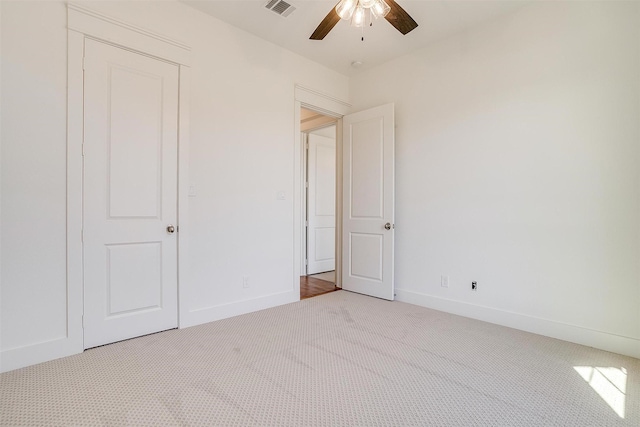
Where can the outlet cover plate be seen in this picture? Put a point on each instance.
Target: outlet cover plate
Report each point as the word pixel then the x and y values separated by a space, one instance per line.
pixel 444 281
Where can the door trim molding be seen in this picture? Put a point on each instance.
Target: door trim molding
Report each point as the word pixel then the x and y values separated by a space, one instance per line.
pixel 330 106
pixel 320 102
pixel 113 30
pixel 304 138
pixel 184 92
pixel 84 23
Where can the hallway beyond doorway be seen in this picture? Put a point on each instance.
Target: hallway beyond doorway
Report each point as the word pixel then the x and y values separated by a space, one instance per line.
pixel 329 276
pixel 312 286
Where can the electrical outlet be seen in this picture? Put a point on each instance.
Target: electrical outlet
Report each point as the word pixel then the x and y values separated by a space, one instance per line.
pixel 474 286
pixel 444 281
pixel 245 281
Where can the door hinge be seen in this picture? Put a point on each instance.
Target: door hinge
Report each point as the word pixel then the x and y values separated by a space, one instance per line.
pixel 83 149
pixel 306 262
pixel 83 320
pixel 306 223
pixel 306 184
pixel 82 235
pixel 83 63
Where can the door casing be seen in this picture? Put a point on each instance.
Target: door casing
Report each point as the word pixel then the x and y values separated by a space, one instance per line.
pixel 332 107
pixel 85 23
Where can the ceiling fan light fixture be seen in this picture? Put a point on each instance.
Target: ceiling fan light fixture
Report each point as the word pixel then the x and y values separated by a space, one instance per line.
pixel 380 9
pixel 361 13
pixel 358 18
pixel 367 3
pixel 345 8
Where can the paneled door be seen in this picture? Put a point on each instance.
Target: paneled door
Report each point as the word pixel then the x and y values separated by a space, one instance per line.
pixel 129 194
pixel 368 202
pixel 321 199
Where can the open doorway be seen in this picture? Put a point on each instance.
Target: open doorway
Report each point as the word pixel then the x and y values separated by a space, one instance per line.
pixel 318 246
pixel 364 194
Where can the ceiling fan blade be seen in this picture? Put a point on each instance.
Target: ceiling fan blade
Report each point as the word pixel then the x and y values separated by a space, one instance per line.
pixel 399 18
pixel 326 25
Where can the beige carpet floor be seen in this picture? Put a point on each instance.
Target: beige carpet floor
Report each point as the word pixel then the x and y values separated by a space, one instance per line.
pixel 340 359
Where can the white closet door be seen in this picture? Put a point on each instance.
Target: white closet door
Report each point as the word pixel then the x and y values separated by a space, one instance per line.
pixel 130 194
pixel 321 198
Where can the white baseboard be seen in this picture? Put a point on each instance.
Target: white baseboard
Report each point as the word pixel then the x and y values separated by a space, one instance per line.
pixel 218 312
pixel 38 353
pixel 627 346
pixel 50 350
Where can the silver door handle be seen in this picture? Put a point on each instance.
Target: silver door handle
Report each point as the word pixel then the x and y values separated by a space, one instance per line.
pixel 387 226
pixel 170 229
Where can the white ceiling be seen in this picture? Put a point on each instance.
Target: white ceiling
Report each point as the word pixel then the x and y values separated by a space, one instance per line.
pixel 436 19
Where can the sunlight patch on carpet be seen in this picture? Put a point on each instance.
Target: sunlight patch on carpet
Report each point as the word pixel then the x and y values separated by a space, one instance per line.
pixel 610 384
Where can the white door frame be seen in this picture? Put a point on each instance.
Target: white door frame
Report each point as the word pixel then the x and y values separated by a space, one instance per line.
pixel 86 23
pixel 304 138
pixel 332 107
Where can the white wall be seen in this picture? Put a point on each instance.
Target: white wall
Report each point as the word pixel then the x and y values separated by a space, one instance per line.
pixel 517 152
pixel 0 178
pixel 33 194
pixel 241 156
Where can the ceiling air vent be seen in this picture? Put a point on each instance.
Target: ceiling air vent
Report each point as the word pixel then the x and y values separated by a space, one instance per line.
pixel 280 7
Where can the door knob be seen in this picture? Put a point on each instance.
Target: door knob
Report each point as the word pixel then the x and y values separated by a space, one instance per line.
pixel 170 229
pixel 387 226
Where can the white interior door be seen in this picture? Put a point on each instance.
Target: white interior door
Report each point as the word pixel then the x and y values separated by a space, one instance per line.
pixel 130 194
pixel 321 199
pixel 368 199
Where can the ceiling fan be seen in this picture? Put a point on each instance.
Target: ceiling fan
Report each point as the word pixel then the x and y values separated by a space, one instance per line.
pixel 355 10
